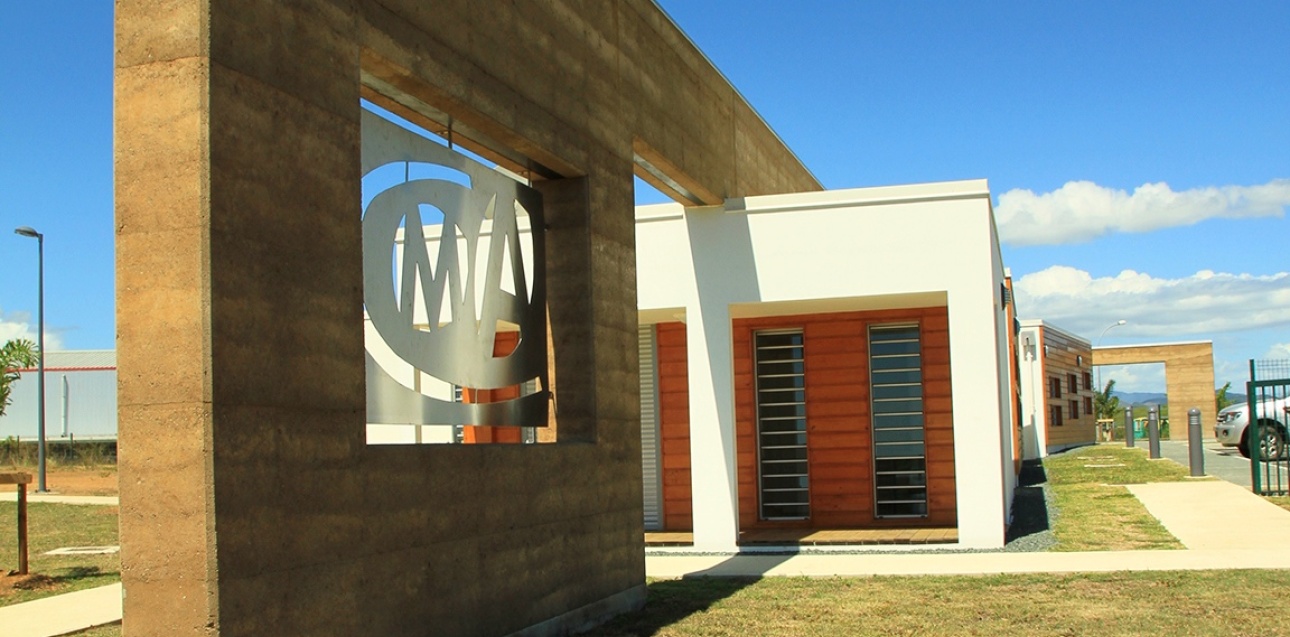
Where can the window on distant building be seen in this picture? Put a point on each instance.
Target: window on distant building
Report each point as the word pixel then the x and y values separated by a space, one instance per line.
pixel 1088 405
pixel 1055 416
pixel 1071 383
pixel 1054 387
pixel 1074 408
pixel 1088 380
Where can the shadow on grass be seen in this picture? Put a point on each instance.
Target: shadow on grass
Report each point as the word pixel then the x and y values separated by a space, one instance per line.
pixel 1029 506
pixel 76 573
pixel 671 601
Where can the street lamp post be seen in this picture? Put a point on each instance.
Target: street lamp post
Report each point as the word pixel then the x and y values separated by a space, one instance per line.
pixel 1099 344
pixel 26 231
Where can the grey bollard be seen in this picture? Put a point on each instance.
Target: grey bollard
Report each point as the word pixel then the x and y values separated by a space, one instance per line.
pixel 1129 438
pixel 1194 443
pixel 1153 432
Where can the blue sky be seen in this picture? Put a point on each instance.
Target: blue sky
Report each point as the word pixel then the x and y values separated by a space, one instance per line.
pixel 1139 153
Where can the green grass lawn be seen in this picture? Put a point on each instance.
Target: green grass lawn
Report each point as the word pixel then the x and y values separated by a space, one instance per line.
pixel 1177 603
pixel 52 526
pixel 1218 603
pixel 1095 512
pixel 1280 500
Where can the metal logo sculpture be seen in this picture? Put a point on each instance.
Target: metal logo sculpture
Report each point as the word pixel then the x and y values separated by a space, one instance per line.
pixel 441 315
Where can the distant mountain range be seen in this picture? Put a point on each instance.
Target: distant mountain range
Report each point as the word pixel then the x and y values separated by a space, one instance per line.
pixel 1148 398
pixel 1139 398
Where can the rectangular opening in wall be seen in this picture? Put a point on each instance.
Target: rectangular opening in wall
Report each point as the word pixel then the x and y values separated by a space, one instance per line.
pixel 454 293
pixel 899 448
pixel 783 479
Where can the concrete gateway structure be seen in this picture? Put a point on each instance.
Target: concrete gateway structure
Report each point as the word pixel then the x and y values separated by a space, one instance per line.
pixel 251 503
pixel 835 360
pixel 1189 377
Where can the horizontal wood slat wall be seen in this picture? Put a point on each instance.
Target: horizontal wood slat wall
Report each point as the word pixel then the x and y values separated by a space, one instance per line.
pixel 504 343
pixel 839 439
pixel 674 426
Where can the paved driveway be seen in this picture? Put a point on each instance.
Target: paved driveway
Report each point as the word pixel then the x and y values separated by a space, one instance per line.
pixel 1221 462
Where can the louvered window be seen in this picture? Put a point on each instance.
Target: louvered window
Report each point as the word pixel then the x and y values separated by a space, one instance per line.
pixel 899 448
pixel 783 480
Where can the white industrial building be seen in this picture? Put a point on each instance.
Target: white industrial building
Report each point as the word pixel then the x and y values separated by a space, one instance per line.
pixel 80 398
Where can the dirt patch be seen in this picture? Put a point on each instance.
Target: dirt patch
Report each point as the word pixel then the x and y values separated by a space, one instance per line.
pixel 29 582
pixel 70 481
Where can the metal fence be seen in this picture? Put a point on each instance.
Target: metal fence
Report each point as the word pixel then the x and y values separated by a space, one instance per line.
pixel 1269 426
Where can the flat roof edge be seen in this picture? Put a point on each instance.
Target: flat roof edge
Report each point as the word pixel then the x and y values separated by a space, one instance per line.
pixel 1169 344
pixel 867 196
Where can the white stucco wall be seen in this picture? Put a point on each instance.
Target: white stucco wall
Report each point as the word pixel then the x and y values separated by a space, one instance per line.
pixel 1034 415
pixel 874 248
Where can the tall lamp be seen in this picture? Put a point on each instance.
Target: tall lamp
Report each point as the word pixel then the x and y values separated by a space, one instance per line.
pixel 1099 344
pixel 27 231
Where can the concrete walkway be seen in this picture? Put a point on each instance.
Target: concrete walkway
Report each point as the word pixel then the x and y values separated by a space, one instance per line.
pixel 861 564
pixel 1215 515
pixel 33 498
pixel 62 614
pixel 1206 516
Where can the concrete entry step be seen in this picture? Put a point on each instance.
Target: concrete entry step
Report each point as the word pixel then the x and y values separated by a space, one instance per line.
pixel 820 537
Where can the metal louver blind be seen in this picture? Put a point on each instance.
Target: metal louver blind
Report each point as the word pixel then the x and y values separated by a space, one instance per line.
pixel 650 461
pixel 784 487
pixel 899 449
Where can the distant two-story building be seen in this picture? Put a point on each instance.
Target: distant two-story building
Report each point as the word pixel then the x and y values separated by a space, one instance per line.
pixel 1057 391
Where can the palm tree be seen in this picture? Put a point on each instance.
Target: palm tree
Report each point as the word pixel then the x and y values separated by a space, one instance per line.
pixel 1220 397
pixel 1106 405
pixel 14 355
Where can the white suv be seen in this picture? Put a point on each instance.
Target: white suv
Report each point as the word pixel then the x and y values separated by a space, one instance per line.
pixel 1232 429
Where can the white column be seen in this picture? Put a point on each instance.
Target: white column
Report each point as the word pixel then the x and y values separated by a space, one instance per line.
pixel 713 466
pixel 978 444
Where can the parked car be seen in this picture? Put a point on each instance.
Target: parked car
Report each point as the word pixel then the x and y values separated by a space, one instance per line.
pixel 1233 428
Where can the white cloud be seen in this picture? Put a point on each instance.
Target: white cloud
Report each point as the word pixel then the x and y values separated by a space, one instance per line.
pixel 1208 305
pixel 17 325
pixel 1197 306
pixel 1278 351
pixel 1082 210
pixel 1134 378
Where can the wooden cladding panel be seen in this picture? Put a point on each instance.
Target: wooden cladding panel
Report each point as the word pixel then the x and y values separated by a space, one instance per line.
pixel 1064 356
pixel 674 426
pixel 838 421
pixel 503 344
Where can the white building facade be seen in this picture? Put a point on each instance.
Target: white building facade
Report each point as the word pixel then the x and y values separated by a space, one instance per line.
pixel 843 285
pixel 80 398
